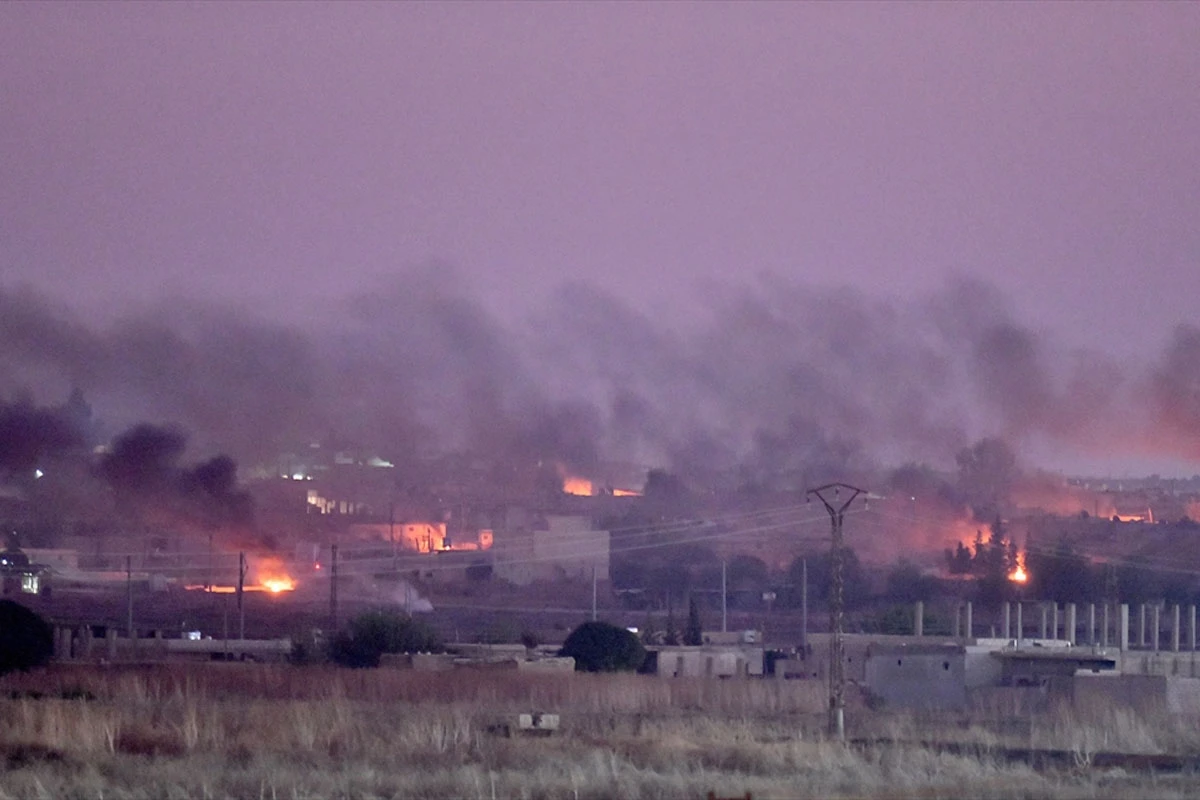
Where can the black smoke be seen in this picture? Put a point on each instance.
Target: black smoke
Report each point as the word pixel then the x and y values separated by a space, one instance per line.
pixel 775 383
pixel 144 470
pixel 30 435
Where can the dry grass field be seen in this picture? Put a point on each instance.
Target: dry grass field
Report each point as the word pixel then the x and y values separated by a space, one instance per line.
pixel 257 731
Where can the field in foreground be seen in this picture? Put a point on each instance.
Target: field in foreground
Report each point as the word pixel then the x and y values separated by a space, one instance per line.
pixel 255 731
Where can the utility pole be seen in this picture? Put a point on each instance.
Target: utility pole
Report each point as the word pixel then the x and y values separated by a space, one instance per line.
pixel 804 606
pixel 129 596
pixel 724 602
pixel 241 596
pixel 392 535
pixel 837 661
pixel 333 578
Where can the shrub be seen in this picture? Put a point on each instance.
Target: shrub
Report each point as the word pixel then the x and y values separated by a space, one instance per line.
pixel 374 633
pixel 603 647
pixel 307 649
pixel 26 640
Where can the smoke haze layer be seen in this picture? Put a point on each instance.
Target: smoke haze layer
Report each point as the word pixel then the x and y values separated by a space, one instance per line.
pixel 777 381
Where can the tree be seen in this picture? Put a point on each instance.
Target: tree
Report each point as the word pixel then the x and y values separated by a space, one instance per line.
pixel 906 584
pixel 374 633
pixel 958 560
pixel 1062 576
pixel 670 581
pixel 26 640
pixel 855 586
pixel 603 647
pixel 670 635
pixel 747 572
pixel 693 634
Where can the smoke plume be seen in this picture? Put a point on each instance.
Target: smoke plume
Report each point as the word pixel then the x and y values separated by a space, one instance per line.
pixel 777 382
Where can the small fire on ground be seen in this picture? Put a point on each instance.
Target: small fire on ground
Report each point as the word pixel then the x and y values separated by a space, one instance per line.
pixel 264 575
pixel 582 487
pixel 1019 575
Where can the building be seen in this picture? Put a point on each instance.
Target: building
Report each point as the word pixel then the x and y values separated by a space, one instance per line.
pixel 737 654
pixel 21 576
pixel 938 676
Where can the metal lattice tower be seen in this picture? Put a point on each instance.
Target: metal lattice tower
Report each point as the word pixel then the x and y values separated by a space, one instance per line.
pixel 837 659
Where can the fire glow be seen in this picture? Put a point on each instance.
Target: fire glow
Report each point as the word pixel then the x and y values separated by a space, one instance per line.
pixel 580 487
pixel 277 585
pixel 273 587
pixel 1019 575
pixel 268 574
pixel 271 576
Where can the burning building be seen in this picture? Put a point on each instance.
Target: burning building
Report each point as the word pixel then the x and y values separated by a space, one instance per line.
pixel 422 537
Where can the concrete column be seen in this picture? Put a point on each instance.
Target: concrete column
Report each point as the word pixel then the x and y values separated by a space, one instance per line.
pixel 1192 628
pixel 1020 622
pixel 958 622
pixel 1092 624
pixel 1042 630
pixel 1175 629
pixel 919 619
pixel 970 628
pixel 85 641
pixel 1069 633
pixel 1007 621
pixel 1054 621
pixel 1104 630
pixel 1142 625
pixel 1155 627
pixel 110 642
pixel 1123 627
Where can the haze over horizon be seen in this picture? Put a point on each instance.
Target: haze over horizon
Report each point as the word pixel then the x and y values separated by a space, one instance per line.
pixel 671 231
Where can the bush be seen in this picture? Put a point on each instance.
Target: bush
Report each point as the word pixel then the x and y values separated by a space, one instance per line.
pixel 307 649
pixel 26 640
pixel 603 647
pixel 374 633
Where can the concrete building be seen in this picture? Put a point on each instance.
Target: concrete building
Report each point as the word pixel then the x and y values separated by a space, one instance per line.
pixel 941 677
pixel 19 575
pixel 705 661
pixel 1145 693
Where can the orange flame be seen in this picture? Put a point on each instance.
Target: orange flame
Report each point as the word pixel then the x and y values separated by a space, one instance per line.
pixel 267 574
pixel 580 487
pixel 1019 575
pixel 272 576
pixel 276 585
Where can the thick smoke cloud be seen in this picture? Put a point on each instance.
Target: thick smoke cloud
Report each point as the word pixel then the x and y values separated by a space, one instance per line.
pixel 30 434
pixel 777 382
pixel 144 471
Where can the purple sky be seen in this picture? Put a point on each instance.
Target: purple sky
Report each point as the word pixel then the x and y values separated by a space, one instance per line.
pixel 277 154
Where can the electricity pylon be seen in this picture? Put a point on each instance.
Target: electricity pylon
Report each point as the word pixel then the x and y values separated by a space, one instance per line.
pixel 837 659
